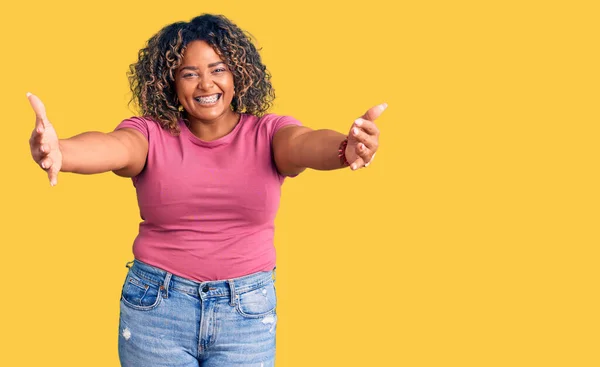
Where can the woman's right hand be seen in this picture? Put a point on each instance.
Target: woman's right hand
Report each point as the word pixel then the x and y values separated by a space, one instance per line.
pixel 44 141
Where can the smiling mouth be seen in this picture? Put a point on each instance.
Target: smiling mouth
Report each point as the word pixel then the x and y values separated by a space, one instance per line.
pixel 208 99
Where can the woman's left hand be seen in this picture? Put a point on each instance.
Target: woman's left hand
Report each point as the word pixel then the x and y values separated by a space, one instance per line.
pixel 363 139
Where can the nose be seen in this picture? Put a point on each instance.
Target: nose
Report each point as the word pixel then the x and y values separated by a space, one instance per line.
pixel 205 83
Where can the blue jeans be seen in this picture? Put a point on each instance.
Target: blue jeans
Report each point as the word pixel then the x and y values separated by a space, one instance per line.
pixel 168 320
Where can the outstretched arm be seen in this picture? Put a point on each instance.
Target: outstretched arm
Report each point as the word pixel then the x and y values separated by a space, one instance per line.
pixel 123 151
pixel 297 147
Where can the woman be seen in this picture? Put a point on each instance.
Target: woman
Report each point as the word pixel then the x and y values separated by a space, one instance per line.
pixel 207 163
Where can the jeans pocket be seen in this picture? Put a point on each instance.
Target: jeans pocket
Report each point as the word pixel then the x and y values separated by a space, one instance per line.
pixel 139 293
pixel 258 302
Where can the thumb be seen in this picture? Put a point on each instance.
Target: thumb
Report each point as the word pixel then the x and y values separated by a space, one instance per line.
pixel 39 109
pixel 374 112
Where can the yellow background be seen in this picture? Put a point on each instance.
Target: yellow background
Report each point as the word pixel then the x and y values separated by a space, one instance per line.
pixel 472 240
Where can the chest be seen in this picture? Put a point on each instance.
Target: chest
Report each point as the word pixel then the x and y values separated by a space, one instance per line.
pixel 223 184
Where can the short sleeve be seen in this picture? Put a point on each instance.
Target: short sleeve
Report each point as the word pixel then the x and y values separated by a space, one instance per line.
pixel 275 123
pixel 138 123
pixel 279 122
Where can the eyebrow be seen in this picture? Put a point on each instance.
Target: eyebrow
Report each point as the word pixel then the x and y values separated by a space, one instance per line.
pixel 211 65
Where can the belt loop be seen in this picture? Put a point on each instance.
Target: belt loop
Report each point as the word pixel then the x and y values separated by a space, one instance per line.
pixel 129 264
pixel 274 276
pixel 232 291
pixel 165 286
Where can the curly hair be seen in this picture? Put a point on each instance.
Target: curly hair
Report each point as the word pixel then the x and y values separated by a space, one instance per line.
pixel 152 77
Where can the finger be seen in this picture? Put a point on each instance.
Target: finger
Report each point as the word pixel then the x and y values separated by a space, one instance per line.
pixel 36 138
pixel 365 153
pixel 38 144
pixel 373 113
pixel 40 111
pixel 35 146
pixel 46 163
pixel 368 126
pixel 358 163
pixel 37 105
pixel 362 137
pixel 44 149
pixel 53 176
pixel 38 156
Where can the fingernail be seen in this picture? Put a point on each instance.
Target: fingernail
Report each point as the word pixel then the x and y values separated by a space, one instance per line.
pixel 383 106
pixel 42 149
pixel 358 122
pixel 354 165
pixel 28 94
pixel 43 165
pixel 355 131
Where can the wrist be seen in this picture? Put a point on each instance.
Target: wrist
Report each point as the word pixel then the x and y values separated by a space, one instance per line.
pixel 342 153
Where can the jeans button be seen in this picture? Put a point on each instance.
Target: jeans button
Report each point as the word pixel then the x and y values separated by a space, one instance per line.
pixel 205 289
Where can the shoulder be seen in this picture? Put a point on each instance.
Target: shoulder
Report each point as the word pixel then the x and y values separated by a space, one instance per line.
pixel 274 119
pixel 145 124
pixel 143 121
pixel 270 123
pixel 265 127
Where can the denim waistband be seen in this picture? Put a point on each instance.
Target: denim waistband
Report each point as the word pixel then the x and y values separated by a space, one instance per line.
pixel 216 288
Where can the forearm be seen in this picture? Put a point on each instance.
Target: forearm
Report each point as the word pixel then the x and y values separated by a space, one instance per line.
pixel 317 149
pixel 92 152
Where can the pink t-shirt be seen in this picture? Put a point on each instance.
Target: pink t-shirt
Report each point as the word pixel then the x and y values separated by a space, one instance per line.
pixel 208 207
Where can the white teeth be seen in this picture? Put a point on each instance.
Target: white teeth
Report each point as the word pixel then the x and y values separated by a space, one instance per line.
pixel 209 99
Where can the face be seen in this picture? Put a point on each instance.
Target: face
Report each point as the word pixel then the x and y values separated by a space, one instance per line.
pixel 204 84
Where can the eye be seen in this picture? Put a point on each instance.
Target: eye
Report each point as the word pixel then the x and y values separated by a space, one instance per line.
pixel 189 75
pixel 220 70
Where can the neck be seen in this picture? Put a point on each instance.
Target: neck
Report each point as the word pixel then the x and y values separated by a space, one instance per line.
pixel 216 128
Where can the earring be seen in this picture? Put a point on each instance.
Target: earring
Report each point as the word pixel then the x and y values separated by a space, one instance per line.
pixel 180 108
